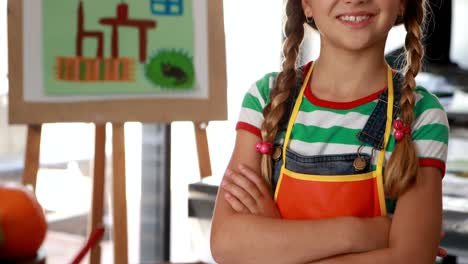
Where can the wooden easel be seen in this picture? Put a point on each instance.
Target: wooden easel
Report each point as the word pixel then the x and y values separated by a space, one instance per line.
pixel 119 210
pixel 119 206
pixel 35 113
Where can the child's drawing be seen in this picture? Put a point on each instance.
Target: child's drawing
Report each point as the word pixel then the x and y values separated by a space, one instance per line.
pixel 118 47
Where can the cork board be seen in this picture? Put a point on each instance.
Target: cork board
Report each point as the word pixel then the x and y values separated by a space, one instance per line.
pixel 116 61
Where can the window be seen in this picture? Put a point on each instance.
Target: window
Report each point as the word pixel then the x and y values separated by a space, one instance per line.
pixel 167 7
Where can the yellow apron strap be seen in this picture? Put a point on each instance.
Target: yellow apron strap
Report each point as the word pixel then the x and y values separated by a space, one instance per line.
pixel 388 129
pixel 291 124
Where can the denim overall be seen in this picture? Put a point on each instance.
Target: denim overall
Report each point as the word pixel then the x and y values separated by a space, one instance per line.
pixel 324 186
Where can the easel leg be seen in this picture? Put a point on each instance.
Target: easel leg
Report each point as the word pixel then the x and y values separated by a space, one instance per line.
pixel 119 204
pixel 97 206
pixel 203 151
pixel 31 161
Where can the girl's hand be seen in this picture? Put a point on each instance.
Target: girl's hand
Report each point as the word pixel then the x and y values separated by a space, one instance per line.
pixel 248 193
pixel 442 252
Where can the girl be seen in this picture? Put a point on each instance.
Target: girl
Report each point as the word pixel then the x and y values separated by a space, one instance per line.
pixel 306 182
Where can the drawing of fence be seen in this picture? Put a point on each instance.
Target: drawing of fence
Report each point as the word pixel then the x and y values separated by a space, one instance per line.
pixel 80 69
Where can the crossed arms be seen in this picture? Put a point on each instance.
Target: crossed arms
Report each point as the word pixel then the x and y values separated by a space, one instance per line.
pixel 251 231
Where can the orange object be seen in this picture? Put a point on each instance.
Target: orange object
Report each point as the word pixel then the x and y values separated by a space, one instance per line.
pixel 353 195
pixel 22 222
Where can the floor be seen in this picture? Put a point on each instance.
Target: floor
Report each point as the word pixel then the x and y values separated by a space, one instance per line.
pixel 60 254
pixel 61 248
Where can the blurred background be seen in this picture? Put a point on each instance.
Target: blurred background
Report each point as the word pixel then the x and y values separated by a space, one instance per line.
pixel 64 182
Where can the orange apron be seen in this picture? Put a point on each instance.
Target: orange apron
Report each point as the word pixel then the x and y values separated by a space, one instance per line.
pixel 309 196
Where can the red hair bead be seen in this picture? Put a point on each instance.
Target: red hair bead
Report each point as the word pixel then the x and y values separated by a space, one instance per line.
pixel 264 147
pixel 398 135
pixel 398 124
pixel 400 130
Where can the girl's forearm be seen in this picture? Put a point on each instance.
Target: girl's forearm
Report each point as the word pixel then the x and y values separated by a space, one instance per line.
pixel 415 229
pixel 253 239
pixel 381 256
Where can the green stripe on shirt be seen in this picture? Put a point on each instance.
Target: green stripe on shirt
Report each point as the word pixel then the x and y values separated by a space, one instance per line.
pixel 436 132
pixel 252 102
pixel 313 134
pixel 263 86
pixel 364 109
pixel 429 101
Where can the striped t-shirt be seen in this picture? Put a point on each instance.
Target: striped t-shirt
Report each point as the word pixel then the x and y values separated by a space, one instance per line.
pixel 328 128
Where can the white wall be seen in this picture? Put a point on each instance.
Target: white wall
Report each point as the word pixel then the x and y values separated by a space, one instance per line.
pixel 459 49
pixel 3 47
pixel 253 43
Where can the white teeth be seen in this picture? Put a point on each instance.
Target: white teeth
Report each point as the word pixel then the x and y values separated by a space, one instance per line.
pixel 354 18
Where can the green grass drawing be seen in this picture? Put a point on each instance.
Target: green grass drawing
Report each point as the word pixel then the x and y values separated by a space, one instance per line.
pixel 171 69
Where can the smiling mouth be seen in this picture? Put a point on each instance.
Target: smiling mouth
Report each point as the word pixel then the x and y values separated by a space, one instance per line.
pixel 354 19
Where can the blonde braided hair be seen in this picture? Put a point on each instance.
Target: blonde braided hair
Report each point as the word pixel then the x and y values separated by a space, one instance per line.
pixel 402 168
pixel 273 112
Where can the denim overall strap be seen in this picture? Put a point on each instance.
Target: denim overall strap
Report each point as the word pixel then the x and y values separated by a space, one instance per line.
pixel 373 131
pixel 292 117
pixel 289 104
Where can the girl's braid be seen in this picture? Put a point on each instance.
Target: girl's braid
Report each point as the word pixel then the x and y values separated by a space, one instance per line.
pixel 403 165
pixel 273 112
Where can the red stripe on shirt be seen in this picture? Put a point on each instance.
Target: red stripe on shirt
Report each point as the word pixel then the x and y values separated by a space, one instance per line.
pixel 337 105
pixel 249 128
pixel 427 162
pixel 340 105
